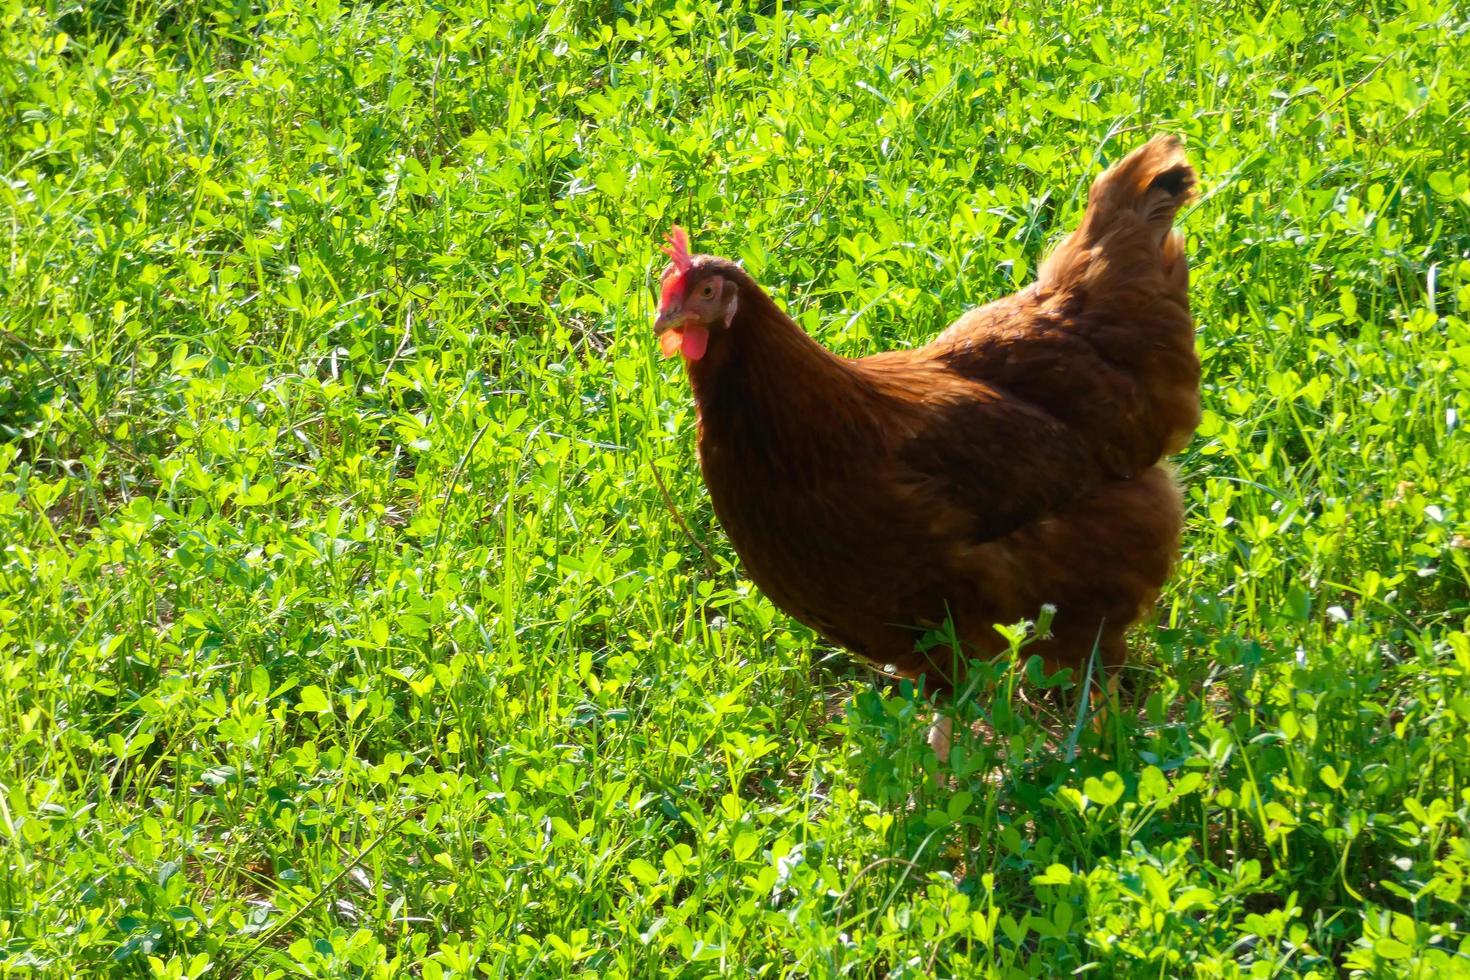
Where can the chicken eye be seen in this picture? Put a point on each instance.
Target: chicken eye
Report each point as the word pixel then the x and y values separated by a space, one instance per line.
pixel 707 291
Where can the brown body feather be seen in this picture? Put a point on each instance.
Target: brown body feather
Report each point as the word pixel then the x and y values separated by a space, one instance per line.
pixel 1013 461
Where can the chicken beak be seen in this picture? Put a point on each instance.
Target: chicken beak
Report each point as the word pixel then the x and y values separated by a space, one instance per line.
pixel 668 320
pixel 669 329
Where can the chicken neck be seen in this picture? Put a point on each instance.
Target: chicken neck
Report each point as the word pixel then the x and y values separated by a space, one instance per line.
pixel 772 398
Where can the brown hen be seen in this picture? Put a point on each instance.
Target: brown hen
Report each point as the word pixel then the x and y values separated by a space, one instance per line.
pixel 1014 461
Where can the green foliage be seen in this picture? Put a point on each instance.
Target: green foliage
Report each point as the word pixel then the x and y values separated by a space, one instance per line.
pixel 346 630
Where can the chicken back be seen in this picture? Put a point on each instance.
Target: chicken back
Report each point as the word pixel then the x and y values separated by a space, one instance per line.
pixel 1014 461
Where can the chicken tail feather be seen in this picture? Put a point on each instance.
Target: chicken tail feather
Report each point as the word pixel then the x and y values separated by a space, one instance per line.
pixel 1154 182
pixel 1121 281
pixel 1143 192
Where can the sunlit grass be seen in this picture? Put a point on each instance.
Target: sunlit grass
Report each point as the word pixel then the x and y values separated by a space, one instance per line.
pixel 346 629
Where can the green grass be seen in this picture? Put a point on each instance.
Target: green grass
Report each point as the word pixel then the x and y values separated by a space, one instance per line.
pixel 345 630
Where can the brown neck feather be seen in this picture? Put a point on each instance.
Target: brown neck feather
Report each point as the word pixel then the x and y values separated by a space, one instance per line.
pixel 770 395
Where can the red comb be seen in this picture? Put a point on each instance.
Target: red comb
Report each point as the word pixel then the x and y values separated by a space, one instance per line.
pixel 677 250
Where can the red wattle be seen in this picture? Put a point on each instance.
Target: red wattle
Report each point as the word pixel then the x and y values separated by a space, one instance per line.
pixel 696 341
